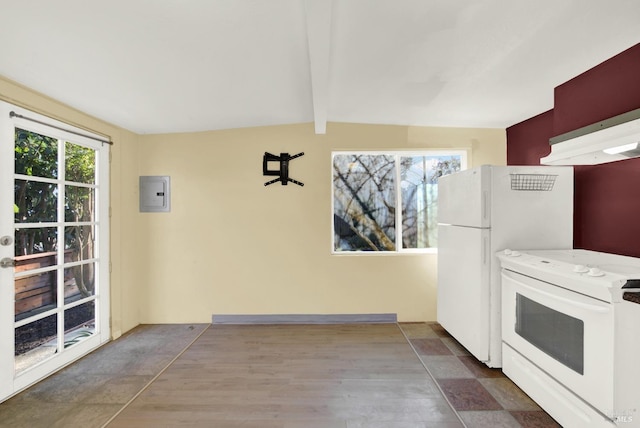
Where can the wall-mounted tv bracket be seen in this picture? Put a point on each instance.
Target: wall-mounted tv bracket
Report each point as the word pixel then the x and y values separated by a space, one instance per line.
pixel 283 171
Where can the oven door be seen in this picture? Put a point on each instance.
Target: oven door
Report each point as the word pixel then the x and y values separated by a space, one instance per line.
pixel 567 335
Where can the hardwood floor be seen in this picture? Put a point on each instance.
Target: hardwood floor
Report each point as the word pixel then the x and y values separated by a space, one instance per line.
pixel 293 376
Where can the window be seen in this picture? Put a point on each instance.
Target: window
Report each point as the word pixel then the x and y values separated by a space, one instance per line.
pixel 367 188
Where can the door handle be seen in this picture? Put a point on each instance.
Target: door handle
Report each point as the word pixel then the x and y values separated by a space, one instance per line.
pixel 7 262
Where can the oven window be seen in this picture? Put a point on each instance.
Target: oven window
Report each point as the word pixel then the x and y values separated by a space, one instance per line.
pixel 556 334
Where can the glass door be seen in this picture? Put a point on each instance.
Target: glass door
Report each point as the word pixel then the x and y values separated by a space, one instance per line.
pixel 54 249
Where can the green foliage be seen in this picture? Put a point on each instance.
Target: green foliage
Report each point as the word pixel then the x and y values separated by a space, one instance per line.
pixel 36 155
pixel 80 165
pixel 36 200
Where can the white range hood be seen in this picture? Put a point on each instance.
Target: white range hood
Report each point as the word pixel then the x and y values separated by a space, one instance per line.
pixel 613 139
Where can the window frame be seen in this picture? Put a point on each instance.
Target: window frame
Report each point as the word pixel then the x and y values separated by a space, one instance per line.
pixel 397 154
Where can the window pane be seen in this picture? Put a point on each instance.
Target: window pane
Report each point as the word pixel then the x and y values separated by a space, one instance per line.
pixel 35 202
pixel 79 323
pixel 35 294
pixel 364 198
pixel 80 163
pixel 79 243
pixel 35 154
pixel 79 204
pixel 419 195
pixel 79 282
pixel 35 342
pixel 36 241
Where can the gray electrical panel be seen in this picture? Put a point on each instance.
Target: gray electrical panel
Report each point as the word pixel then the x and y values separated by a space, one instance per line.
pixel 155 194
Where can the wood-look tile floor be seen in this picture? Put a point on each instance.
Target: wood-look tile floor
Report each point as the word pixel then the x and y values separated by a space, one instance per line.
pixel 90 391
pixel 294 376
pixel 481 396
pixel 370 375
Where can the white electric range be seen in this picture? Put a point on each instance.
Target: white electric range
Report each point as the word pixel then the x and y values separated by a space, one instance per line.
pixel 571 333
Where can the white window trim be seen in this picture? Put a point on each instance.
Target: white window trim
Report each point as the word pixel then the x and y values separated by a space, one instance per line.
pixel 464 156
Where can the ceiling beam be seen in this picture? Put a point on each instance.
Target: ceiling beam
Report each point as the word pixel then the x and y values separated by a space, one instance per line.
pixel 318 16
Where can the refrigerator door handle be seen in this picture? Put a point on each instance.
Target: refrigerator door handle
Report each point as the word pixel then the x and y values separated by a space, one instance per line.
pixel 485 244
pixel 485 205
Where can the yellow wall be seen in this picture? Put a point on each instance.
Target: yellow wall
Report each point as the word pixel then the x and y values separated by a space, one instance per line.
pixel 230 245
pixel 125 275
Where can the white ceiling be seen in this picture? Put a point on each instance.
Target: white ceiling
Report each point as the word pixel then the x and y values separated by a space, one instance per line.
pixel 160 66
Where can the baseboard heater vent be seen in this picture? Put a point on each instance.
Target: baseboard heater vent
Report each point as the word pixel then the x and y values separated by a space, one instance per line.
pixel 306 319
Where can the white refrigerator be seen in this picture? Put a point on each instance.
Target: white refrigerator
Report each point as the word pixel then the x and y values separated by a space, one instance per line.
pixel 482 211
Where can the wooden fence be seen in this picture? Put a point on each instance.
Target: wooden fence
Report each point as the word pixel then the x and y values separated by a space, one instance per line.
pixel 37 291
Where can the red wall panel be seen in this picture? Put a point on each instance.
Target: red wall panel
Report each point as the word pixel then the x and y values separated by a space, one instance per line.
pixel 606 90
pixel 528 141
pixel 607 207
pixel 607 197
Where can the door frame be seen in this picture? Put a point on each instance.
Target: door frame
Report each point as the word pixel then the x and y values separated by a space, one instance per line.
pixel 11 384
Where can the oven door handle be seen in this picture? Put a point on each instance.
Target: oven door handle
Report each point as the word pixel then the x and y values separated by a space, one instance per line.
pixel 587 306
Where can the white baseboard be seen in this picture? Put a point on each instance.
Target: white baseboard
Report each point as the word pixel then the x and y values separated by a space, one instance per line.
pixel 306 319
